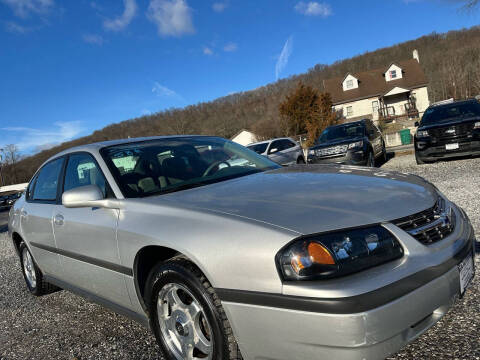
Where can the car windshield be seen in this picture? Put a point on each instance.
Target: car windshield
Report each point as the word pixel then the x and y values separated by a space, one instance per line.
pixel 341 132
pixel 172 164
pixel 449 112
pixel 259 148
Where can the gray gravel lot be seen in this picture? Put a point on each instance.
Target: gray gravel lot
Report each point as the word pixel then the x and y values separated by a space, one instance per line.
pixel 64 326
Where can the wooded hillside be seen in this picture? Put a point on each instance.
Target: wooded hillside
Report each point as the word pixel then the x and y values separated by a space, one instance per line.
pixel 451 62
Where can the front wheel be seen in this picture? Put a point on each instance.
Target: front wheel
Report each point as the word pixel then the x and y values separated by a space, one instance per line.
pixel 419 160
pixel 186 315
pixel 370 159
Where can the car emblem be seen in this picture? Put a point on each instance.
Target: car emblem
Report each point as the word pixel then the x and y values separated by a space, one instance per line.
pixel 450 131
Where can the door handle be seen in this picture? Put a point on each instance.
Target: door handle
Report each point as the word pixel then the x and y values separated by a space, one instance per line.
pixel 58 220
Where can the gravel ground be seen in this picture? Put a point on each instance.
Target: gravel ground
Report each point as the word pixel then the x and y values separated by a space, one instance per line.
pixel 64 326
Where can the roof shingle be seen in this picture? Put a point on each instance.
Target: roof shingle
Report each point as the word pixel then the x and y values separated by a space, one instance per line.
pixel 372 83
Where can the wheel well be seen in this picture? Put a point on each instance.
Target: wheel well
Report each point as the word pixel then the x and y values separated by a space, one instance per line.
pixel 145 260
pixel 17 239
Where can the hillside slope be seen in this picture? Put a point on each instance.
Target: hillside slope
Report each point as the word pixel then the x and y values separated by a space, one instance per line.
pixel 451 62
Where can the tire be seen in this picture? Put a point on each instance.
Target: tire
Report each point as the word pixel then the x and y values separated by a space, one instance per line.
pixel 370 159
pixel 301 160
pixel 418 160
pixel 209 336
pixel 32 274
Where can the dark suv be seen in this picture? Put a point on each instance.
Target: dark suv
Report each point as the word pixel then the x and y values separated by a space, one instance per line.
pixel 448 130
pixel 355 143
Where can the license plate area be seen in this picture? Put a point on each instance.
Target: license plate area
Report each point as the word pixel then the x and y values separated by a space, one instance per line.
pixel 453 146
pixel 466 270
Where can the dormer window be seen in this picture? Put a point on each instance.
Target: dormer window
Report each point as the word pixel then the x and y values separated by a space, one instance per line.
pixel 349 84
pixel 393 74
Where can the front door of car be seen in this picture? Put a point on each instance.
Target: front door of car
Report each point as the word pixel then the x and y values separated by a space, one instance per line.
pixel 375 138
pixel 275 152
pixel 36 216
pixel 86 237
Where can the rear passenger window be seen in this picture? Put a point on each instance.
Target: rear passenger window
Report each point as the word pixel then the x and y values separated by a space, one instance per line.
pixel 46 183
pixel 82 170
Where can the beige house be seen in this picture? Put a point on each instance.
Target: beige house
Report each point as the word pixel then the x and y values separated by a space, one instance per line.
pixel 399 89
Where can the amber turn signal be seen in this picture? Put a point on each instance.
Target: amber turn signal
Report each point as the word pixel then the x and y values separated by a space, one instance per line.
pixel 320 255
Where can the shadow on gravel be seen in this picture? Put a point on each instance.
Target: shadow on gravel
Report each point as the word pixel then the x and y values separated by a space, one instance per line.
pixel 477 247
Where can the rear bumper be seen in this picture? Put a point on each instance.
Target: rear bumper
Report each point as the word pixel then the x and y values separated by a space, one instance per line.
pixel 430 152
pixel 370 326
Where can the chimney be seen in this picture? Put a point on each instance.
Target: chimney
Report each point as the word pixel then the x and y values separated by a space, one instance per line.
pixel 415 55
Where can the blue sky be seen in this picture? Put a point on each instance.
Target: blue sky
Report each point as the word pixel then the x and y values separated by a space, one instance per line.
pixel 71 67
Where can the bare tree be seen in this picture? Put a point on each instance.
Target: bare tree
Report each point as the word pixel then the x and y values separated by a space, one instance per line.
pixel 11 158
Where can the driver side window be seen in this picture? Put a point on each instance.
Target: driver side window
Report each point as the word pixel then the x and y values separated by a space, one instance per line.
pixel 82 170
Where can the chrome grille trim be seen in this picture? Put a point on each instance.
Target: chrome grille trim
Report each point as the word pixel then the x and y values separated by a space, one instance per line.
pixel 431 225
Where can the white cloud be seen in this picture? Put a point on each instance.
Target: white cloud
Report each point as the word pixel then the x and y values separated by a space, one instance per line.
pixel 313 8
pixel 219 6
pixel 23 8
pixel 123 20
pixel 28 139
pixel 283 57
pixel 172 17
pixel 207 51
pixel 15 28
pixel 164 91
pixel 93 39
pixel 230 47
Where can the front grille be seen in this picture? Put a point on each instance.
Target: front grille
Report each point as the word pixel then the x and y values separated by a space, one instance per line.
pixel 431 225
pixel 452 131
pixel 333 150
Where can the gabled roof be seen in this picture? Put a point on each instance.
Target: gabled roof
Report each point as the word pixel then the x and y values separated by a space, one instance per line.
pixel 372 83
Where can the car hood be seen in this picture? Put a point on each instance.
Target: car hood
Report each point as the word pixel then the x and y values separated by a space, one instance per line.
pixel 452 122
pixel 312 198
pixel 336 142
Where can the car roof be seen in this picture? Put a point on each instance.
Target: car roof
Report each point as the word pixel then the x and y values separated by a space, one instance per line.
pixel 269 141
pixel 362 121
pixel 454 103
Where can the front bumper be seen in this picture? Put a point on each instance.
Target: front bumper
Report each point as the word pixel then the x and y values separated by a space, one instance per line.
pixel 351 157
pixel 281 331
pixel 428 151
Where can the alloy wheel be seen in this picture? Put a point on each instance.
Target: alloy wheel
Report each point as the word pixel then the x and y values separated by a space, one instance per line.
pixel 29 268
pixel 183 324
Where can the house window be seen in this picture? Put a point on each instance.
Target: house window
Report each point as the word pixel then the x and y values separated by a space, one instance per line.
pixel 375 106
pixel 349 84
pixel 349 110
pixel 393 74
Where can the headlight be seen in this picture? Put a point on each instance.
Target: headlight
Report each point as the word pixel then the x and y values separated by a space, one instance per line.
pixel 337 253
pixel 477 125
pixel 356 144
pixel 422 133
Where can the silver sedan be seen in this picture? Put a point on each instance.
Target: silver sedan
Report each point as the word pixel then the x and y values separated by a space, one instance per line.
pixel 226 255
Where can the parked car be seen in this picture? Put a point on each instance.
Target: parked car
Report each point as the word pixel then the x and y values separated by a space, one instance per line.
pixel 3 200
pixel 222 260
pixel 448 130
pixel 283 151
pixel 355 143
pixel 12 198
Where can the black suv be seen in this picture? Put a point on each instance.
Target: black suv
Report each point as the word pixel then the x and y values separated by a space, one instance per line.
pixel 448 130
pixel 355 143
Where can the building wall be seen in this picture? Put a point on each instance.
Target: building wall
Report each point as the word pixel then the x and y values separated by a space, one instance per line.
pixel 360 108
pixel 423 102
pixel 245 138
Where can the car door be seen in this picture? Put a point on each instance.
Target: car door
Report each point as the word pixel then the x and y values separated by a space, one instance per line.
pixel 86 237
pixel 36 216
pixel 275 152
pixel 290 151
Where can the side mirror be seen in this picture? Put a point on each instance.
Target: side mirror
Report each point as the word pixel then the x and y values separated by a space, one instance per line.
pixel 274 150
pixel 417 124
pixel 85 196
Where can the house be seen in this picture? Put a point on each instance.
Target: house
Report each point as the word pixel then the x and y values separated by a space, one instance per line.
pixel 244 137
pixel 399 89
